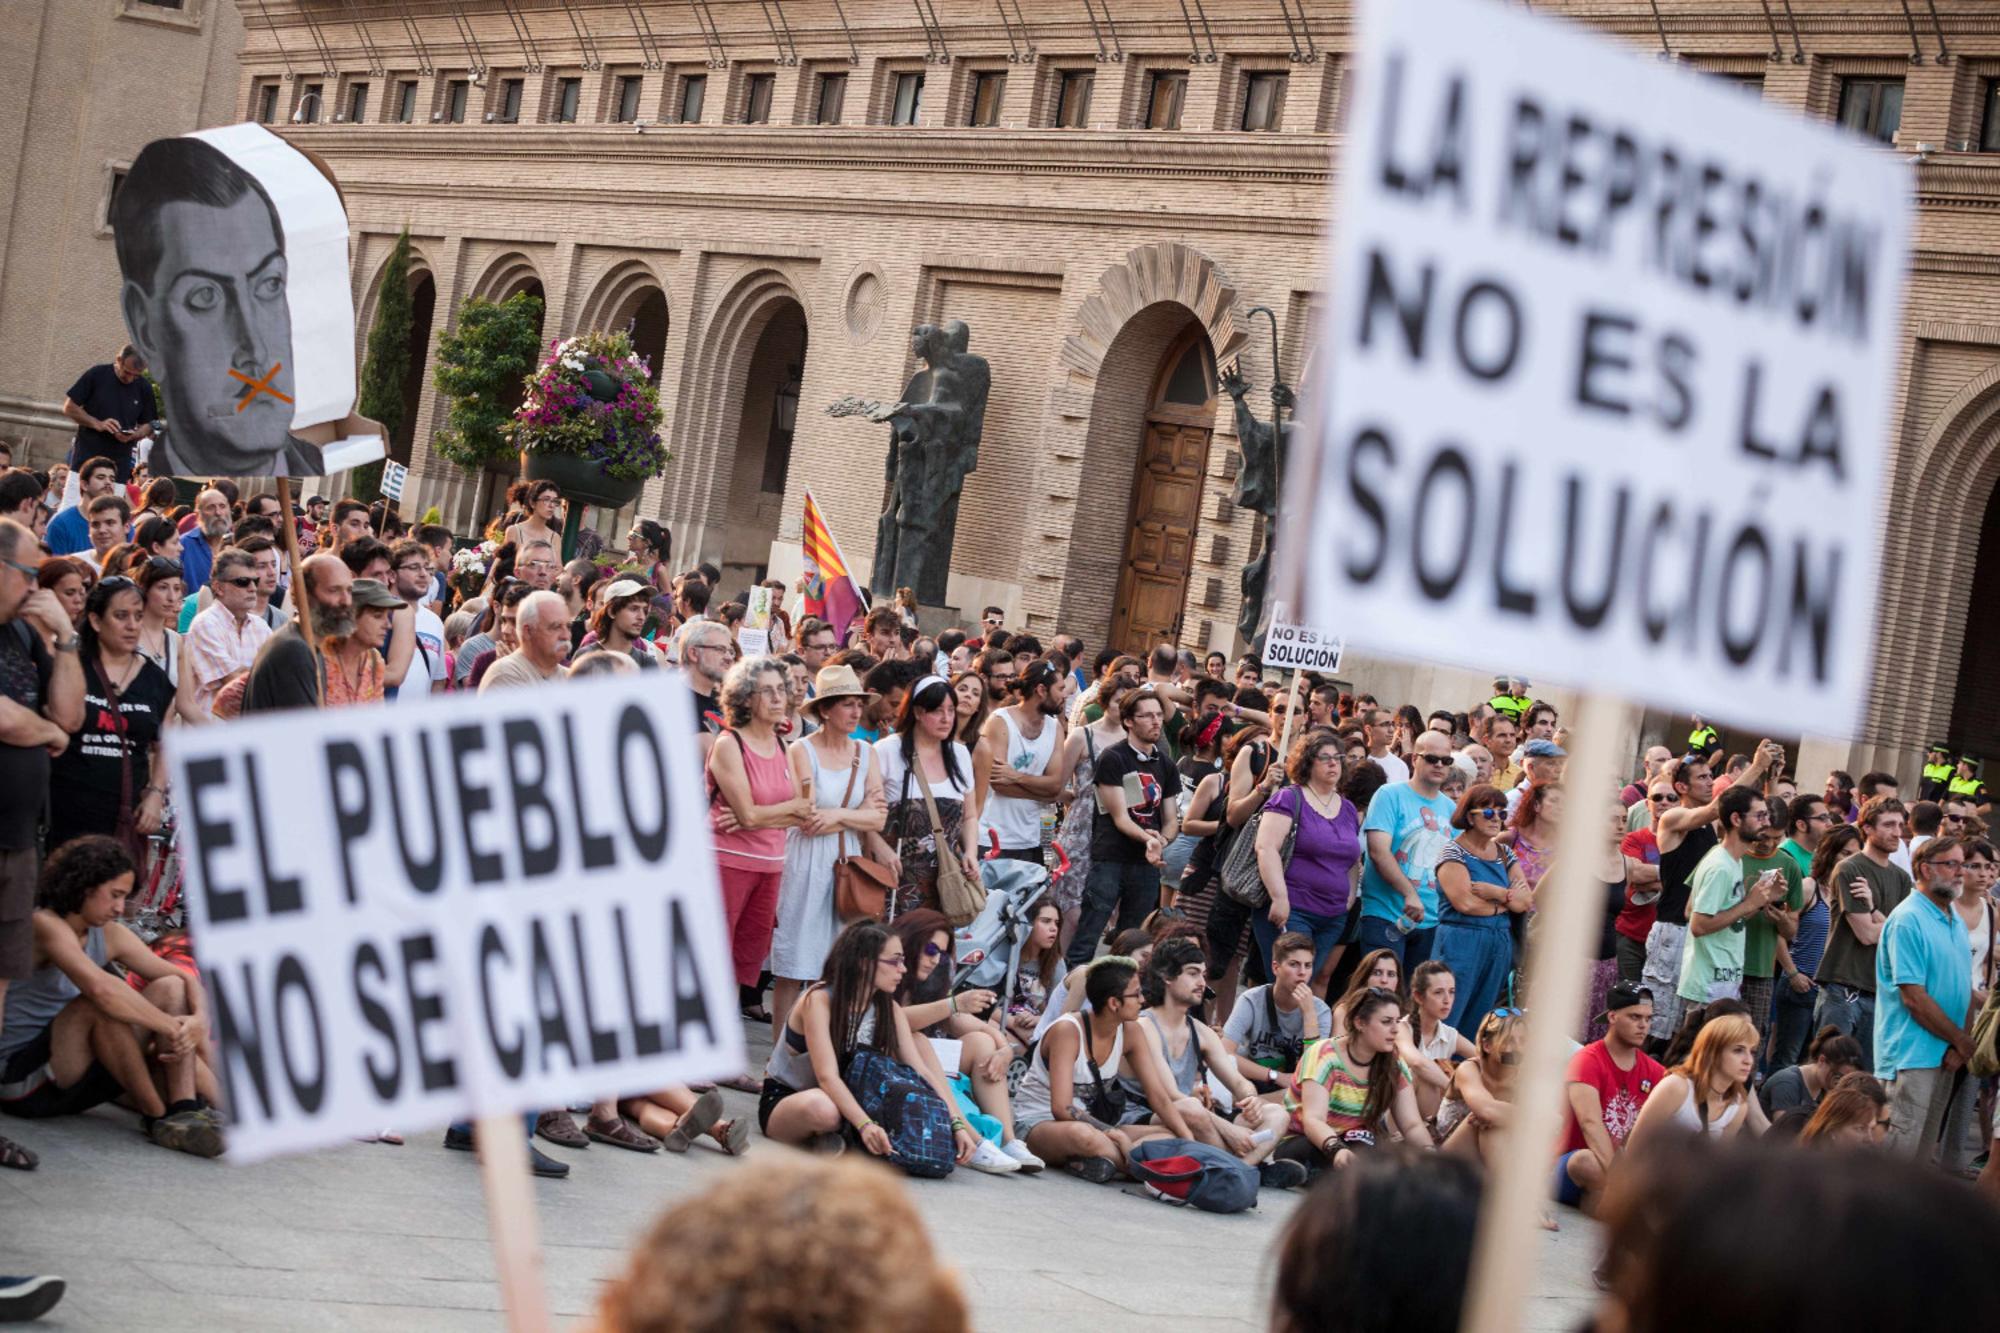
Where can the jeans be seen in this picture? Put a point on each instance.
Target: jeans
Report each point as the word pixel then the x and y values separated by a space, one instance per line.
pixel 1851 1011
pixel 1326 932
pixel 1131 888
pixel 1173 863
pixel 1480 953
pixel 1379 932
pixel 1791 1029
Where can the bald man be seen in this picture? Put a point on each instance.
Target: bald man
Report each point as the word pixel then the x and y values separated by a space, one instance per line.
pixel 288 672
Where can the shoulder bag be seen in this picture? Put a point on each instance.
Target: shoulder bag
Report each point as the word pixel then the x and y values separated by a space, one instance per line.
pixel 897 1098
pixel 1985 1061
pixel 960 899
pixel 861 885
pixel 1242 878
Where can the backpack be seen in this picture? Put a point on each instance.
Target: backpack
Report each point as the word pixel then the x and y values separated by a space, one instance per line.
pixel 897 1098
pixel 1190 1174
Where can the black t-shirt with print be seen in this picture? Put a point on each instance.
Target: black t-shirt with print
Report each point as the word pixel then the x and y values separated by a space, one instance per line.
pixel 93 768
pixel 1160 782
pixel 24 769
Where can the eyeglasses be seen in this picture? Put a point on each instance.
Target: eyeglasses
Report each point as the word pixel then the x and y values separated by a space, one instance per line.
pixel 1661 797
pixel 247 581
pixel 1133 995
pixel 32 571
pixel 898 961
pixel 1435 758
pixel 414 567
pixel 933 951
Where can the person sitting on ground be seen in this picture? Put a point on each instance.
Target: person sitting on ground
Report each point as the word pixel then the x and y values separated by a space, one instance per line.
pixel 1608 1084
pixel 1480 1099
pixel 1796 1090
pixel 1385 1244
pixel 839 1240
pixel 1430 1046
pixel 1379 970
pixel 1068 1107
pixel 676 1116
pixel 1853 1113
pixel 1069 995
pixel 77 1035
pixel 1185 1052
pixel 1710 1095
pixel 805 1100
pixel 1350 1086
pixel 1271 1026
pixel 967 1018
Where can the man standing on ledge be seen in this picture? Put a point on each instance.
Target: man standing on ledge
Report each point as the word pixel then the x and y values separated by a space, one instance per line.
pixel 113 408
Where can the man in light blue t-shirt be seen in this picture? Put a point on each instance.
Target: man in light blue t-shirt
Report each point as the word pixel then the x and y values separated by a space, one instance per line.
pixel 1407 828
pixel 1923 1002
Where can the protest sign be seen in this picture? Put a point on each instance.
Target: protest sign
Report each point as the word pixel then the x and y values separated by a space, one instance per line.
pixel 394 475
pixel 471 906
pixel 753 636
pixel 1604 393
pixel 1300 647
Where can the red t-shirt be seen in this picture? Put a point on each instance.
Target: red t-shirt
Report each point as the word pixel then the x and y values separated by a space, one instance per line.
pixel 1621 1092
pixel 1635 922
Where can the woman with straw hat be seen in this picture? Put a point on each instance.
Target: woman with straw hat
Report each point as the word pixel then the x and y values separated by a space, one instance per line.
pixel 846 785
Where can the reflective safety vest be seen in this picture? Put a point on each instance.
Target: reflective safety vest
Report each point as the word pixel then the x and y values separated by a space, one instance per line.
pixel 1508 704
pixel 1938 772
pixel 1966 786
pixel 1702 738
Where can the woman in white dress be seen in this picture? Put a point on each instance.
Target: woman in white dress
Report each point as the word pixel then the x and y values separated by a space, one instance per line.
pixel 846 785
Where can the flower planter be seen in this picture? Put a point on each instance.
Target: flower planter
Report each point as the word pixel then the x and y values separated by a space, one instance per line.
pixel 582 479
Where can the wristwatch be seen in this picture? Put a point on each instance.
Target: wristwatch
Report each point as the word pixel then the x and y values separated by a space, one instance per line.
pixel 67 645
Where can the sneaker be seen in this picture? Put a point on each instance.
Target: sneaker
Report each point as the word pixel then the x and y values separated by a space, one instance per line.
pixel 1096 1170
pixel 25 1298
pixel 992 1161
pixel 542 1164
pixel 701 1118
pixel 1281 1174
pixel 830 1144
pixel 458 1140
pixel 188 1132
pixel 1018 1150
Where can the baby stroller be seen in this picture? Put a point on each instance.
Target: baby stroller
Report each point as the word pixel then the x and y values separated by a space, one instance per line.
pixel 987 952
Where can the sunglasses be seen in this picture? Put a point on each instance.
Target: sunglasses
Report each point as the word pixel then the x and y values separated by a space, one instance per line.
pixel 933 951
pixel 1512 1013
pixel 1435 758
pixel 1661 797
pixel 1490 812
pixel 247 581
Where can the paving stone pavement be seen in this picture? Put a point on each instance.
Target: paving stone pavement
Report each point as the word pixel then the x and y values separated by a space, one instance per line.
pixel 373 1237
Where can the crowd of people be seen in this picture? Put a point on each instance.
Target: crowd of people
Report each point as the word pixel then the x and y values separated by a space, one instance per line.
pixel 1280 919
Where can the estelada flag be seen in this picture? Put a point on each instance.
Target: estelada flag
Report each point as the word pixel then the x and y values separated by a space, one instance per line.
pixel 831 592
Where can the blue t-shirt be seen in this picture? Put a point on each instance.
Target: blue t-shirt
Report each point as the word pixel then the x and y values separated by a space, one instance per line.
pixel 1419 830
pixel 196 560
pixel 69 532
pixel 1922 945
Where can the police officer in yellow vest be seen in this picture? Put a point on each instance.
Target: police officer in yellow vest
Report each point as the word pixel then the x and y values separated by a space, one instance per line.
pixel 1703 738
pixel 1968 785
pixel 1510 696
pixel 1937 774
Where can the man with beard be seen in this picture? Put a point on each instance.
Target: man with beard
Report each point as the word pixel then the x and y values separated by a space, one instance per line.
pixel 1023 738
pixel 198 547
pixel 289 671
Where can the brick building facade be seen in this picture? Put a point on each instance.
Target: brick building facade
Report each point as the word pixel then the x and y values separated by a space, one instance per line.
pixel 770 196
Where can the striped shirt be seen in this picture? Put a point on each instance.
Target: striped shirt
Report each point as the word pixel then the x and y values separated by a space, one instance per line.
pixel 1346 1096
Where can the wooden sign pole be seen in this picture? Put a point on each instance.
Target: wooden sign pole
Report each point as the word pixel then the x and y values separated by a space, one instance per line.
pixel 510 1219
pixel 1569 906
pixel 301 604
pixel 1285 739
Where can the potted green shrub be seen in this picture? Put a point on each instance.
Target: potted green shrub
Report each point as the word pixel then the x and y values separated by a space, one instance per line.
pixel 591 420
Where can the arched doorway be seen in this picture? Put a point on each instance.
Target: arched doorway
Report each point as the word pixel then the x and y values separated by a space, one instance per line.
pixel 1166 495
pixel 763 457
pixel 648 322
pixel 416 370
pixel 1975 710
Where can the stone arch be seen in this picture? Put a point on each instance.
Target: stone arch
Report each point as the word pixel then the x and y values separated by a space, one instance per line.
pixel 1123 329
pixel 1919 667
pixel 696 488
pixel 509 273
pixel 631 295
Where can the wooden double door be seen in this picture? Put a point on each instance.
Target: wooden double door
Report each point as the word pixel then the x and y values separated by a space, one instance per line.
pixel 1159 549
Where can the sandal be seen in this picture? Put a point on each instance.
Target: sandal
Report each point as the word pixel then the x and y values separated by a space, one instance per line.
pixel 17 1158
pixel 700 1118
pixel 620 1133
pixel 732 1135
pixel 559 1129
pixel 742 1083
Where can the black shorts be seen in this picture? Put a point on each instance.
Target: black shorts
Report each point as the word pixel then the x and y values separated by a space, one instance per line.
pixel 767 1102
pixel 28 1087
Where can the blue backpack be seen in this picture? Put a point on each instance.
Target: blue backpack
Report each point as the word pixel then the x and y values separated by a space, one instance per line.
pixel 1181 1171
pixel 918 1124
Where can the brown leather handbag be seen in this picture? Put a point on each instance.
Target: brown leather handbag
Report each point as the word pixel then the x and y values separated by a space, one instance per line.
pixel 860 886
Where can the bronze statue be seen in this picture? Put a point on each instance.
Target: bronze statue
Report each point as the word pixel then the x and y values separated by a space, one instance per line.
pixel 1265 447
pixel 934 443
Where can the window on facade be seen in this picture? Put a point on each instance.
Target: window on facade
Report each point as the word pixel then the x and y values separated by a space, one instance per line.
pixel 1872 106
pixel 456 93
pixel 987 89
pixel 694 89
pixel 757 91
pixel 357 103
pixel 267 103
pixel 832 99
pixel 1073 99
pixel 406 101
pixel 1989 119
pixel 509 110
pixel 309 100
pixel 628 98
pixel 1163 105
pixel 784 421
pixel 909 99
pixel 1263 100
pixel 163 4
pixel 111 191
pixel 569 94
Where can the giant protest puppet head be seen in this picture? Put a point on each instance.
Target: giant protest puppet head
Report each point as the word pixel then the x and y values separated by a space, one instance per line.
pixel 232 248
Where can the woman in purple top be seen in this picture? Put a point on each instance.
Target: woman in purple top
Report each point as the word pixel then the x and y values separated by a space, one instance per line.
pixel 1310 893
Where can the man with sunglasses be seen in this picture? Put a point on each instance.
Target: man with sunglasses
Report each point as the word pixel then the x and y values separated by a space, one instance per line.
pixel 1640 850
pixel 225 638
pixel 1407 828
pixel 1923 998
pixel 1638 810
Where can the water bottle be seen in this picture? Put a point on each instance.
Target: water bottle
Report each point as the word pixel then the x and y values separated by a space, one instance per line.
pixel 1404 922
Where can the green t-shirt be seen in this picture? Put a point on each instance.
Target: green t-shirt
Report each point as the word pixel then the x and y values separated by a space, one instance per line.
pixel 1760 937
pixel 1712 964
pixel 1849 962
pixel 1800 856
pixel 1639 816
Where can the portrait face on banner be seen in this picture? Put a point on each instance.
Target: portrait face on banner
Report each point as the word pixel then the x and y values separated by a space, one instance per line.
pixel 232 250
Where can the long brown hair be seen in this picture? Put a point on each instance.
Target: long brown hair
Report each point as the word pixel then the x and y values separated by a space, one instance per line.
pixel 1854 1099
pixel 1382 1070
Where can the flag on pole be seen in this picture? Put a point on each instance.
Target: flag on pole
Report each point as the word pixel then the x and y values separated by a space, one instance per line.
pixel 831 592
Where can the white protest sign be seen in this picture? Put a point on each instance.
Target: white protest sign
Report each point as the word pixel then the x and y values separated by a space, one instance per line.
pixel 1300 647
pixel 477 905
pixel 394 474
pixel 753 636
pixel 1604 393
